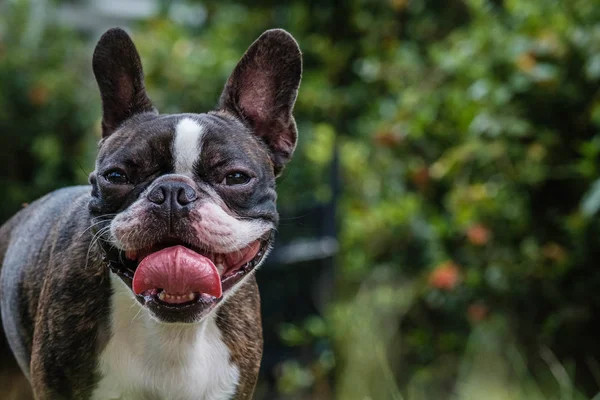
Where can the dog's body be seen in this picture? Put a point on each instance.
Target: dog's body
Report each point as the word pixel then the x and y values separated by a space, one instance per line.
pixel 141 286
pixel 108 347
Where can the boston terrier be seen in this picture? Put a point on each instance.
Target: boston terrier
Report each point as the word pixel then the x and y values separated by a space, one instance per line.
pixel 141 285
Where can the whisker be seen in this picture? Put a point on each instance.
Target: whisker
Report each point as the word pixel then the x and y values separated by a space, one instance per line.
pixel 136 315
pixel 93 242
pixel 91 226
pixel 98 220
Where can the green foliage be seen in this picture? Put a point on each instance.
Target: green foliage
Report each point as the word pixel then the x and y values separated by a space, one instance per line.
pixel 46 118
pixel 468 134
pixel 480 189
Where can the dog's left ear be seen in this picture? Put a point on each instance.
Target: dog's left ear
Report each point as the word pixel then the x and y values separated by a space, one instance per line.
pixel 262 91
pixel 118 70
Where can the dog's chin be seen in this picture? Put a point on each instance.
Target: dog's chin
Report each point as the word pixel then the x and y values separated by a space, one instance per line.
pixel 192 306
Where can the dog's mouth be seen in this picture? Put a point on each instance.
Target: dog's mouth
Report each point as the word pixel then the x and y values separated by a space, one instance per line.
pixel 174 275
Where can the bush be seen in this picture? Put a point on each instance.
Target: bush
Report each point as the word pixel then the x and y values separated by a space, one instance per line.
pixel 46 111
pixel 480 194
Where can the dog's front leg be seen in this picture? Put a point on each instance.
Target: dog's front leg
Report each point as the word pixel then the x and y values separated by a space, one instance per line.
pixel 71 328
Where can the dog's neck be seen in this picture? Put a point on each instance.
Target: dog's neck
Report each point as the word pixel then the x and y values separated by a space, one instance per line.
pixel 145 358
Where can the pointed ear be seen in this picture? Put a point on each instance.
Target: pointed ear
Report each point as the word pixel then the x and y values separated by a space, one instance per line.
pixel 262 91
pixel 120 78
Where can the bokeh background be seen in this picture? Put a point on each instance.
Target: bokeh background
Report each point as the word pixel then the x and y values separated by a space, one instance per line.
pixel 440 236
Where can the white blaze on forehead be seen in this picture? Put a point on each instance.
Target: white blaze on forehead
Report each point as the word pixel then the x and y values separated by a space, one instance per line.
pixel 186 145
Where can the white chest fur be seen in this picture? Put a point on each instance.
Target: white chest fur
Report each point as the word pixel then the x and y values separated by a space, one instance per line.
pixel 148 360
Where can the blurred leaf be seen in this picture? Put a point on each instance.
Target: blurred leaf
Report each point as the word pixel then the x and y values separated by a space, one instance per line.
pixel 591 200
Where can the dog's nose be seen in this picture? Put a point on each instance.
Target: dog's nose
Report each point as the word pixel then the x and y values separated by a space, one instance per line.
pixel 174 194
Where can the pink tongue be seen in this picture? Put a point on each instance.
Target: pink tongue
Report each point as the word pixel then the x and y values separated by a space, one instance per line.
pixel 177 270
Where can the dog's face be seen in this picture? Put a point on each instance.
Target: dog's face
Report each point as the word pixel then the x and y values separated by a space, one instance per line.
pixel 184 205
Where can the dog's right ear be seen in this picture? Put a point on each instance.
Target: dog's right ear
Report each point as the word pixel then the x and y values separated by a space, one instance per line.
pixel 120 78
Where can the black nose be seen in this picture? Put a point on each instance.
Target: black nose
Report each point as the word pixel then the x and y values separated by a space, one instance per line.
pixel 175 195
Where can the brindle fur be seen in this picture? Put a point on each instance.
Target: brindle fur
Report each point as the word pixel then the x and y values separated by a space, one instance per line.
pixel 70 305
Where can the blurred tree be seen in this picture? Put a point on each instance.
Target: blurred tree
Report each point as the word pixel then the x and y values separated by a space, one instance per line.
pixel 46 109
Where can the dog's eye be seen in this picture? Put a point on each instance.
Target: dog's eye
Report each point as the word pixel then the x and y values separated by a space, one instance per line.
pixel 236 178
pixel 116 177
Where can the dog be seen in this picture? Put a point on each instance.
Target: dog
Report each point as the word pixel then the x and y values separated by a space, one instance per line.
pixel 141 285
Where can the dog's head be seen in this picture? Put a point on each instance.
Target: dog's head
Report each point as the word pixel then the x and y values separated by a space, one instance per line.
pixel 184 204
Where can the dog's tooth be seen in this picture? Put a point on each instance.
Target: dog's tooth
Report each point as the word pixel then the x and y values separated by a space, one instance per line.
pixel 161 295
pixel 220 268
pixel 191 296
